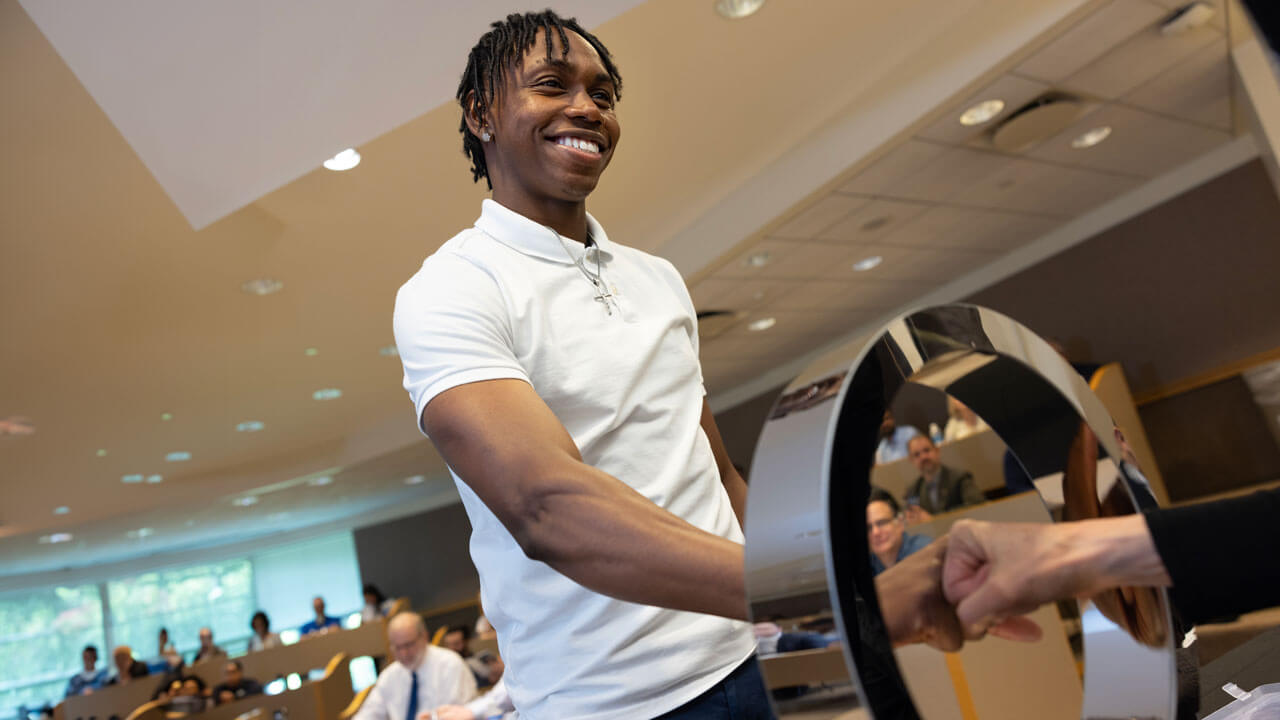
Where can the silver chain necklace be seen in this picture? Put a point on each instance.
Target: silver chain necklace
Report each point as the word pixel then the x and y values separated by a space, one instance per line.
pixel 603 296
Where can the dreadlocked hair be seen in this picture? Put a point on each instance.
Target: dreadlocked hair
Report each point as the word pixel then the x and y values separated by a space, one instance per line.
pixel 501 49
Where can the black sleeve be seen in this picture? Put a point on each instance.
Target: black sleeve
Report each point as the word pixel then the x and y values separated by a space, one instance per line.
pixel 1221 555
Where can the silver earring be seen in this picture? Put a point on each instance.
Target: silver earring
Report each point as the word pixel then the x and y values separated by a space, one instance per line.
pixel 485 136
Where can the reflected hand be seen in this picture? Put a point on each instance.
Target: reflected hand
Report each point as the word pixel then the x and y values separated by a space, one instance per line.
pixel 912 602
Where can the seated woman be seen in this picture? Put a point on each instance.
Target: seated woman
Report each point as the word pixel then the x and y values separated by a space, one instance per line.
pixel 886 532
pixel 262 638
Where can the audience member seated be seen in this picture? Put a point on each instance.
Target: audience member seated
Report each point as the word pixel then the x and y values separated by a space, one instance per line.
pixel 235 685
pixel 127 669
pixel 90 678
pixel 494 703
pixel 207 649
pixel 962 422
pixel 893 440
pixel 486 667
pixel 262 637
pixel 189 696
pixel 422 677
pixel 376 604
pixel 887 536
pixel 321 622
pixel 938 488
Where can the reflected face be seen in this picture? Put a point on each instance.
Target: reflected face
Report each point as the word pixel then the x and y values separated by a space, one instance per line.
pixel 408 643
pixel 553 123
pixel 206 637
pixel 924 455
pixel 318 606
pixel 189 689
pixel 887 425
pixel 122 658
pixel 259 625
pixel 454 641
pixel 233 673
pixel 884 529
pixel 89 658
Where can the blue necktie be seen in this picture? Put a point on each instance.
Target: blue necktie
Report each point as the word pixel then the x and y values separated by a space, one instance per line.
pixel 413 697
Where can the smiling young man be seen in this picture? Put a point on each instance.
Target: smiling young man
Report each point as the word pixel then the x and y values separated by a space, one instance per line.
pixel 557 373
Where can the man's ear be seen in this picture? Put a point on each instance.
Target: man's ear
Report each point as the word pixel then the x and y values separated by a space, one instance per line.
pixel 475 121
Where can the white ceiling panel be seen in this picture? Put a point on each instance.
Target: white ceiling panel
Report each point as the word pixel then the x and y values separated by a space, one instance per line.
pixel 854 292
pixel 819 216
pixel 899 163
pixel 1089 39
pixel 1197 89
pixel 873 221
pixel 1012 90
pixel 905 263
pixel 1140 143
pixel 1038 187
pixel 788 259
pixel 970 229
pixel 948 175
pixel 715 293
pixel 1138 60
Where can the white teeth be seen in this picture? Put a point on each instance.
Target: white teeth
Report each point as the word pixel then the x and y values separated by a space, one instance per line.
pixel 579 144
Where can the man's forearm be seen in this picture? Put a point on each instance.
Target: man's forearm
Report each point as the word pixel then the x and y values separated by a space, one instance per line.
pixel 601 533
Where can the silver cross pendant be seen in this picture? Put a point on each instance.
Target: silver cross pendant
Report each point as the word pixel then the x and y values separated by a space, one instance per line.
pixel 603 295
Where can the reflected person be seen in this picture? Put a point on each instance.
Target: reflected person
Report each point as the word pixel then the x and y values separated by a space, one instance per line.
pixel 939 488
pixel 886 532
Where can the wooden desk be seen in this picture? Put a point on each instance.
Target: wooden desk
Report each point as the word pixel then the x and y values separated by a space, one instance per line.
pixel 117 700
pixel 307 654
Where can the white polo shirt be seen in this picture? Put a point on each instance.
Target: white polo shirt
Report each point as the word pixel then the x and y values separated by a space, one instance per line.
pixel 504 300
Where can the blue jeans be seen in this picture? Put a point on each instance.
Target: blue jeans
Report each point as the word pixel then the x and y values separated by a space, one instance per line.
pixel 740 696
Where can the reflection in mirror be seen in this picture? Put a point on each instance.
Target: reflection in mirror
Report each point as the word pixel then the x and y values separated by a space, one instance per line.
pixel 853 494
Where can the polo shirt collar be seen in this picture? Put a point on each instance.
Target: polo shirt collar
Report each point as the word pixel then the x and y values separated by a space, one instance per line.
pixel 535 239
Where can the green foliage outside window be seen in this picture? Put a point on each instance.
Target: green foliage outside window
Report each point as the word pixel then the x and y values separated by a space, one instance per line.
pixel 42 634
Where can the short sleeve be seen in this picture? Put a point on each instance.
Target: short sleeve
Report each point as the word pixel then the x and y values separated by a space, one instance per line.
pixel 451 328
pixel 676 280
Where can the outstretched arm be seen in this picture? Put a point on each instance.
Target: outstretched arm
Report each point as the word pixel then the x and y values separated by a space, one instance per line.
pixel 509 447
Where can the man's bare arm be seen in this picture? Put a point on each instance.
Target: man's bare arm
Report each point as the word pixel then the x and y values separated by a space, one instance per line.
pixel 512 451
pixel 729 477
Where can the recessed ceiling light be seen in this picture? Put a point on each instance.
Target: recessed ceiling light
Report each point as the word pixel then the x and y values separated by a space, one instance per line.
pixel 55 538
pixel 61 510
pixel 327 394
pixel 738 9
pixel 876 223
pixel 981 112
pixel 178 456
pixel 250 426
pixel 321 480
pixel 344 160
pixel 141 532
pixel 757 259
pixel 763 323
pixel 132 479
pixel 155 479
pixel 166 417
pixel 262 286
pixel 1092 137
pixel 245 501
pixel 866 264
pixel 102 452
pixel 389 351
pixel 311 352
pixel 415 480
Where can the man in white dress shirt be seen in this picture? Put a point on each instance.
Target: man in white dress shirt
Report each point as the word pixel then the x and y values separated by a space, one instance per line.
pixel 422 677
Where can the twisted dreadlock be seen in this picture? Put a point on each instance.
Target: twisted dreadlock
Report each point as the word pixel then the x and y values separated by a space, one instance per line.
pixel 501 49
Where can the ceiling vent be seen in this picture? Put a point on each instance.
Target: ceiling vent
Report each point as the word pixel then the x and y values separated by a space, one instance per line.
pixel 1036 122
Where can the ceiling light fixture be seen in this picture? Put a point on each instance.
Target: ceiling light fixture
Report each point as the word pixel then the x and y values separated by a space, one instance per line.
pixel 981 112
pixel 166 417
pixel 155 479
pixel 757 259
pixel 344 160
pixel 1092 137
pixel 245 501
pixel 55 538
pixel 61 510
pixel 141 533
pixel 415 480
pixel 132 479
pixel 327 394
pixel 866 264
pixel 319 481
pixel 738 9
pixel 262 286
pixel 178 456
pixel 311 352
pixel 102 452
pixel 250 426
pixel 763 323
pixel 389 351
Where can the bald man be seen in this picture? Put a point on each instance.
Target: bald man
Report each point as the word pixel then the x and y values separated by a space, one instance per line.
pixel 422 677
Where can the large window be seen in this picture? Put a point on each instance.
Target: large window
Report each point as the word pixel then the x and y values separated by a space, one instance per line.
pixel 42 634
pixel 218 596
